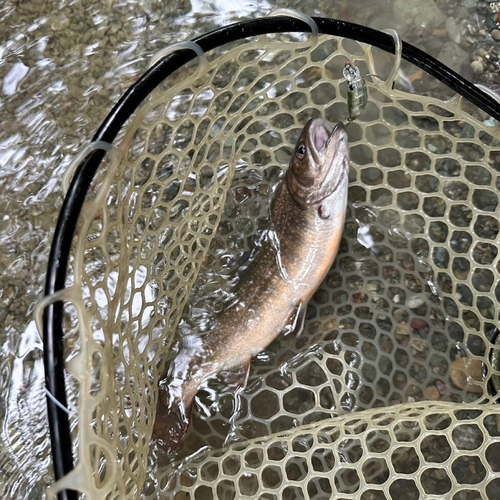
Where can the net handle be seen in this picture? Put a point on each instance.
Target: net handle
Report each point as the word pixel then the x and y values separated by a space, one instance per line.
pixel 107 132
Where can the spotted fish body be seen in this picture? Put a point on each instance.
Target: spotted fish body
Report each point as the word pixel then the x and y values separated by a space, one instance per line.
pixel 307 219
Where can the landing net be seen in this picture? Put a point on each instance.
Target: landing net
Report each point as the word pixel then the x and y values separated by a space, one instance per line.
pixel 390 390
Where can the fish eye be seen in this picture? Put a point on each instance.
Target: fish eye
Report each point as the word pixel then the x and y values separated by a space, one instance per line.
pixel 301 151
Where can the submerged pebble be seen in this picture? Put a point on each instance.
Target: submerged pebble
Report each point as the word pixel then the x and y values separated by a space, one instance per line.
pixel 464 371
pixel 403 330
pixel 416 301
pixel 477 66
pixel 453 55
pixel 453 30
pixel 419 324
pixel 431 392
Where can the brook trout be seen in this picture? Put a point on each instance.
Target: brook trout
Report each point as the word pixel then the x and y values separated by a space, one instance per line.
pixel 307 219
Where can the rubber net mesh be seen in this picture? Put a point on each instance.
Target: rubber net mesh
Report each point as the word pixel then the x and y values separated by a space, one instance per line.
pixel 387 392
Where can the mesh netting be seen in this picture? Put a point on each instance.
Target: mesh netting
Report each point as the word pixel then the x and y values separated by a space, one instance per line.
pixel 401 332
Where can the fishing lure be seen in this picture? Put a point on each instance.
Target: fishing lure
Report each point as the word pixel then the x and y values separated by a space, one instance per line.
pixel 357 95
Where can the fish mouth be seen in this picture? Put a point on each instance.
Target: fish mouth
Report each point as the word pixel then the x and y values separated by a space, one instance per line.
pixel 322 135
pixel 325 166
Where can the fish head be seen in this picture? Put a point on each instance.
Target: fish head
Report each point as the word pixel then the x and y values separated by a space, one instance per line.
pixel 319 163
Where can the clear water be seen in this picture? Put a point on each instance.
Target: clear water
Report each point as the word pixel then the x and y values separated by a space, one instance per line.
pixel 63 64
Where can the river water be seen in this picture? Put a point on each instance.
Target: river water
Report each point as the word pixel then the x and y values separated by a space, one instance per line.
pixel 63 64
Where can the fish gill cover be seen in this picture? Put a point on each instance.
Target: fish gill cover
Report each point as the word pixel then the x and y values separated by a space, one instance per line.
pixel 389 390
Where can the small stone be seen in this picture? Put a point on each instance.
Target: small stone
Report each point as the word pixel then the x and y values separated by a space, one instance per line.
pixel 58 22
pixel 477 66
pixel 453 56
pixel 471 29
pixel 330 325
pixel 415 302
pixel 439 33
pixel 452 30
pixel 441 387
pixel 403 330
pixel 115 28
pixel 432 393
pixel 464 370
pixel 419 324
pixel 419 345
pixel 496 35
pixel 400 315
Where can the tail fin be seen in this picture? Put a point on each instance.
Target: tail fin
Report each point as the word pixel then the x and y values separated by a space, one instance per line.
pixel 173 415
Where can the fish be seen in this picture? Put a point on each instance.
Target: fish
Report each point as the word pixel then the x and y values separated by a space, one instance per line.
pixel 495 361
pixel 357 94
pixel 306 224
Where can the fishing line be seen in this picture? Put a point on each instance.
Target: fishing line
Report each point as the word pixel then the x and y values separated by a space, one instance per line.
pixel 58 403
pixel 356 87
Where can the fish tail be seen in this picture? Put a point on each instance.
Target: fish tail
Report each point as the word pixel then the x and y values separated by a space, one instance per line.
pixel 173 415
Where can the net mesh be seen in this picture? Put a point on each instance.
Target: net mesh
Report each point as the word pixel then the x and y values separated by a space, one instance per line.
pixel 388 390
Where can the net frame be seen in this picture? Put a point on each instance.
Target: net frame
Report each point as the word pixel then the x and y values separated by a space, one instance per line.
pixel 112 125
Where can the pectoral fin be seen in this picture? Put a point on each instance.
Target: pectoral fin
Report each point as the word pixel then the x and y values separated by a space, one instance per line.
pixel 237 378
pixel 297 319
pixel 324 211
